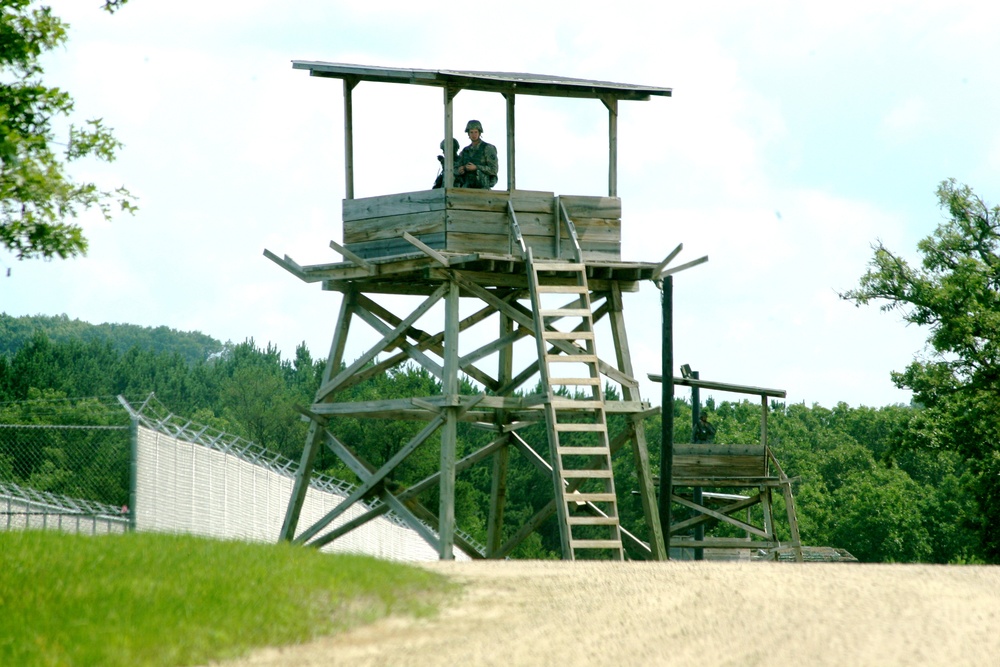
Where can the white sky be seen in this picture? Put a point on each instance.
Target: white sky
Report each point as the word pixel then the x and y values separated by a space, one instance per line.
pixel 798 134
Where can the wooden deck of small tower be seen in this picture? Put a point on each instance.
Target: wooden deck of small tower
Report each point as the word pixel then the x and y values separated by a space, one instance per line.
pixel 542 268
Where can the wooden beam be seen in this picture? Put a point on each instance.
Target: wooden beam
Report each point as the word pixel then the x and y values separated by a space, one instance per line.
pixel 411 350
pixel 288 264
pixel 719 516
pixel 681 267
pixel 511 181
pixel 666 260
pixel 449 387
pixel 426 249
pixel 371 481
pixel 525 319
pixel 349 83
pixel 722 386
pixel 329 387
pixel 640 449
pixel 612 104
pixel 301 485
pixel 448 167
pixel 351 257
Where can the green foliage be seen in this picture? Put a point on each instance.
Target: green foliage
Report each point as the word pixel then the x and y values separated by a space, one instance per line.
pixel 861 485
pixel 154 599
pixel 39 198
pixel 193 346
pixel 955 294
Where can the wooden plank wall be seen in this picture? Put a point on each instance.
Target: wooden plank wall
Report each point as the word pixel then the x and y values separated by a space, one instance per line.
pixel 468 221
pixel 703 460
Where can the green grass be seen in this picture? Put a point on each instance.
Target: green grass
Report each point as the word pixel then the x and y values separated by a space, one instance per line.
pixel 151 599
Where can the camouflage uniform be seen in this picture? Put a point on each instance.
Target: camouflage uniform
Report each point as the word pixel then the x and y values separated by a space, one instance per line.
pixel 484 156
pixel 439 181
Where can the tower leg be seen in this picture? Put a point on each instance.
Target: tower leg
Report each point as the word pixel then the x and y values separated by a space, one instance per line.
pixel 640 449
pixel 446 510
pixel 317 430
pixel 498 490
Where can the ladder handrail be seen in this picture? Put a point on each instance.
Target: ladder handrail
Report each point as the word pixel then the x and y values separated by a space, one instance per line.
pixel 516 231
pixel 563 215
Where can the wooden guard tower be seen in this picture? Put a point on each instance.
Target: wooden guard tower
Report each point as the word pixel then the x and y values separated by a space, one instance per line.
pixel 543 268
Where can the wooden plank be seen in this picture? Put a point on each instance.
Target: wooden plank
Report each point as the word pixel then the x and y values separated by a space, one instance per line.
pixel 351 257
pixel 592 207
pixel 718 466
pixel 424 248
pixel 718 450
pixel 396 246
pixel 524 201
pixel 577 497
pixel 389 227
pixel 496 222
pixel 393 204
pixel 596 544
pixel 723 543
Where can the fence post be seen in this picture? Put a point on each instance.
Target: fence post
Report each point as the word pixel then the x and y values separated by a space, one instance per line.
pixel 133 470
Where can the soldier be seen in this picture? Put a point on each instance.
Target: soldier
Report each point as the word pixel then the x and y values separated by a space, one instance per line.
pixel 477 165
pixel 704 432
pixel 439 181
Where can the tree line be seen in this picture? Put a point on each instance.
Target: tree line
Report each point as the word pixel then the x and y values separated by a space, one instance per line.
pixel 862 484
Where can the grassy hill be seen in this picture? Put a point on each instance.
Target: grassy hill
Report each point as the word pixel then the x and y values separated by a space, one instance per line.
pixel 169 600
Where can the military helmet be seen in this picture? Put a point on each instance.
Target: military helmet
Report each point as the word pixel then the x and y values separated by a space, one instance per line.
pixel 474 125
pixel 454 142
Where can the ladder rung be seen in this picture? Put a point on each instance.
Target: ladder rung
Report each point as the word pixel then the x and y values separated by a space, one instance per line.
pixel 568 335
pixel 587 474
pixel 593 521
pixel 576 404
pixel 559 266
pixel 585 428
pixel 577 497
pixel 563 289
pixel 595 382
pixel 571 358
pixel 595 544
pixel 564 312
pixel 583 451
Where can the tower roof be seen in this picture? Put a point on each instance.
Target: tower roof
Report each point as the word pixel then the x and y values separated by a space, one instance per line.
pixel 501 82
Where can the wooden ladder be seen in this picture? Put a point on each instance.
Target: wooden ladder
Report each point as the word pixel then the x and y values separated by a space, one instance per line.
pixel 587 506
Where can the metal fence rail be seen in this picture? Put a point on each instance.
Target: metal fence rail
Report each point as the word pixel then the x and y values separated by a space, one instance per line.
pixel 25 508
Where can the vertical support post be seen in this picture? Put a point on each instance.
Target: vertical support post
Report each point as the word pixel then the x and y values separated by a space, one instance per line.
pixel 557 222
pixel 699 530
pixel 501 460
pixel 448 174
pixel 349 83
pixel 511 182
pixel 317 431
pixel 612 105
pixel 449 386
pixel 667 409
pixel 133 471
pixel 640 448
pixel 763 420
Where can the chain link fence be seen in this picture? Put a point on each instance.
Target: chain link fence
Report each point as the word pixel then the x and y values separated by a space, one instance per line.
pixel 108 465
pixel 64 464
